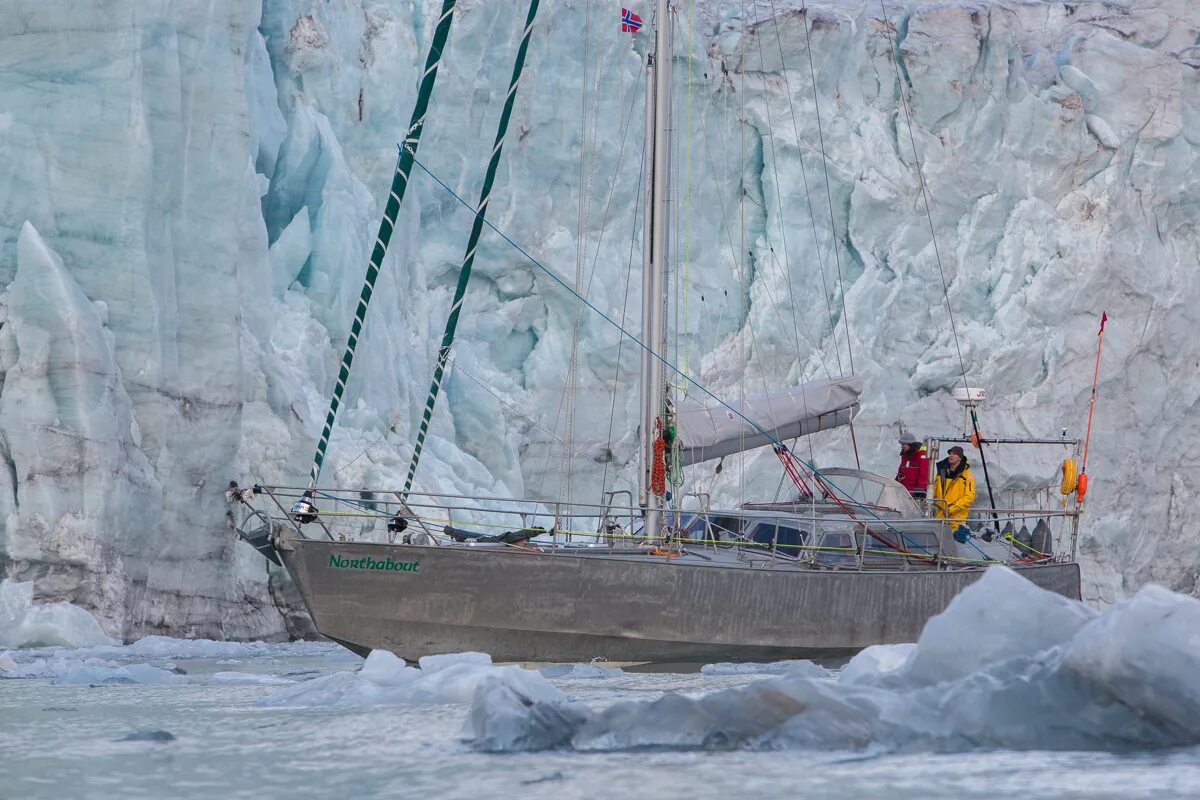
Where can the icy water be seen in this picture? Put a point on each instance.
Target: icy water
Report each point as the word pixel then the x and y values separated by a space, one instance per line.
pixel 210 735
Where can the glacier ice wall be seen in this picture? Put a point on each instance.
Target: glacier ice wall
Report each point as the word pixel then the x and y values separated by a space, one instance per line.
pixel 187 194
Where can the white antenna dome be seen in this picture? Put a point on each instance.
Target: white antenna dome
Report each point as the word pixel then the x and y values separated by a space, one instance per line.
pixel 970 397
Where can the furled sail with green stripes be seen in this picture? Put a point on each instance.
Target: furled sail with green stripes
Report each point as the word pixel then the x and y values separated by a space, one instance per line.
pixel 408 152
pixel 464 275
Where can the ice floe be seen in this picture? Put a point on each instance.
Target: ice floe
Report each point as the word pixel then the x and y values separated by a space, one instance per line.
pixel 1006 665
pixel 772 668
pixel 580 671
pixel 246 679
pixel 162 653
pixel 385 680
pixel 99 675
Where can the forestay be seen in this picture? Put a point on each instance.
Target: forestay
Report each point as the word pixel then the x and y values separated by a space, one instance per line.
pixel 709 432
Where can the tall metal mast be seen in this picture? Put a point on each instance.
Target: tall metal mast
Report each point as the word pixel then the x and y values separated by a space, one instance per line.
pixel 654 258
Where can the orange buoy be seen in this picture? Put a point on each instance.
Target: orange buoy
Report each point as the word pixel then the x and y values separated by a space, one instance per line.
pixel 1081 487
pixel 975 440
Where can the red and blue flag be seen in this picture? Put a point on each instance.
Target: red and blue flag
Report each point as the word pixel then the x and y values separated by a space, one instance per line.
pixel 630 22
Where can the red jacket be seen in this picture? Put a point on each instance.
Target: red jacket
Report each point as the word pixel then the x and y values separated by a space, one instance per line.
pixel 914 470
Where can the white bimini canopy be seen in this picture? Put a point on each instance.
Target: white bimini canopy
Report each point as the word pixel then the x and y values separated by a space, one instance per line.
pixel 709 432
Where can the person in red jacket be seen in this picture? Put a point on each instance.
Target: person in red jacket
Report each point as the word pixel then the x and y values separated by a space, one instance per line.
pixel 913 473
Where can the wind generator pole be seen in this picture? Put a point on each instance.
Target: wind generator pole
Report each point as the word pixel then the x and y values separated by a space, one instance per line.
pixel 653 284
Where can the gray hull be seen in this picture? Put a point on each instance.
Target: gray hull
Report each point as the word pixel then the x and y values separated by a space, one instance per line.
pixel 530 606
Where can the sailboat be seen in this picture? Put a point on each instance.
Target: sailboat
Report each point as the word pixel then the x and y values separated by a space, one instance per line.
pixel 850 560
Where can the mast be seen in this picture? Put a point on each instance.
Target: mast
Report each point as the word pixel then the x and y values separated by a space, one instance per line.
pixel 654 258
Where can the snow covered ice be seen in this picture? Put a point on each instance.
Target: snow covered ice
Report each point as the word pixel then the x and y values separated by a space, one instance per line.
pixel 188 194
pixel 1060 677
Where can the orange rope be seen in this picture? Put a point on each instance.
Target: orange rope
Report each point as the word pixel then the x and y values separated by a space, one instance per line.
pixel 1092 405
pixel 658 473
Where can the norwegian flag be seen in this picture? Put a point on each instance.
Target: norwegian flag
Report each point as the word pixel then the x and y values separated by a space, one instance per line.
pixel 630 22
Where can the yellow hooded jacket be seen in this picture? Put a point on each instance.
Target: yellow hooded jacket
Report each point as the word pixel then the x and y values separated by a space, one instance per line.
pixel 954 491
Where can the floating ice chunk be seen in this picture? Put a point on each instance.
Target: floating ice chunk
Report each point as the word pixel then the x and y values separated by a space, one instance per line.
pixel 382 666
pixel 515 713
pixel 386 680
pixel 52 667
pixel 246 679
pixel 1145 654
pixel 382 680
pixel 7 664
pixel 1007 665
pixel 95 675
pixel 998 617
pixel 26 624
pixel 876 662
pixel 343 689
pixel 580 671
pixel 435 663
pixel 167 647
pixel 163 651
pixel 717 721
pixel 458 683
pixel 774 668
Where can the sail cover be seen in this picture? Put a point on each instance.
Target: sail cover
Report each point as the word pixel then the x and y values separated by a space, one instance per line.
pixel 709 432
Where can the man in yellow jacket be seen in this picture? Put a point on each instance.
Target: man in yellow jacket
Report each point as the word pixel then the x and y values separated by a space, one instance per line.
pixel 954 487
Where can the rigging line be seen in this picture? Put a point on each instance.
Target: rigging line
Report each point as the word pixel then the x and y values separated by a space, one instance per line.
pixel 837 257
pixel 725 224
pixel 600 238
pixel 464 275
pixel 677 214
pixel 812 215
pixel 587 173
pixel 459 369
pixel 564 485
pixel 687 184
pixel 821 358
pixel 621 328
pixel 612 410
pixel 743 300
pixel 962 365
pixel 786 267
pixel 389 429
pixel 809 338
pixel 831 489
pixel 887 27
pixel 785 270
pixel 387 225
pixel 745 290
